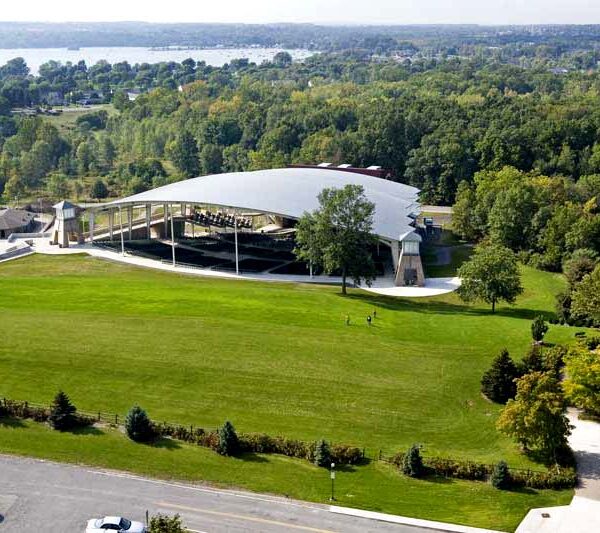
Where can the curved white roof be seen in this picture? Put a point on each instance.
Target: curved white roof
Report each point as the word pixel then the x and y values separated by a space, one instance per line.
pixel 289 192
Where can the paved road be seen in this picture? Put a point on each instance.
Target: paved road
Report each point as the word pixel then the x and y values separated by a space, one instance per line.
pixel 43 496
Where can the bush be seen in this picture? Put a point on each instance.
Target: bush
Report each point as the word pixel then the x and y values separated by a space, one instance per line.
pixel 62 413
pixel 22 410
pixel 457 469
pixel 343 454
pixel 412 464
pixel 538 328
pixel 556 478
pixel 553 359
pixel 500 478
pixel 138 426
pixel 498 383
pixel 166 524
pixel 228 443
pixel 322 454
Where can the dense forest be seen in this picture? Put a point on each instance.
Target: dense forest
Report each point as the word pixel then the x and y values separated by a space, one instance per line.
pixel 434 124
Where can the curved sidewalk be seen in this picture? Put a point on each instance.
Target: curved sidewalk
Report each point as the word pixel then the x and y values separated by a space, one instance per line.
pixel 384 286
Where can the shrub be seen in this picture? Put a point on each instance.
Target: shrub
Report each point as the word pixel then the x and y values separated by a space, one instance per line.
pixel 62 413
pixel 538 328
pixel 457 469
pixel 322 454
pixel 14 409
pixel 500 478
pixel 556 478
pixel 498 383
pixel 166 524
pixel 138 426
pixel 346 455
pixel 412 464
pixel 228 443
pixel 553 359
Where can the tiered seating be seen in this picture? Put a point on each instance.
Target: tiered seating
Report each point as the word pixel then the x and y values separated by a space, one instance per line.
pixel 219 219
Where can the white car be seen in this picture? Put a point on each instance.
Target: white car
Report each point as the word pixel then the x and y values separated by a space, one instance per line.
pixel 114 523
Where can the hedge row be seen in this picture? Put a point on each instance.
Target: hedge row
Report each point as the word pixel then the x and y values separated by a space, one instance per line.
pixel 24 410
pixel 555 478
pixel 261 443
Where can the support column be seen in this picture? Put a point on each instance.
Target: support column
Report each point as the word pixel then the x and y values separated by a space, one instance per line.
pixel 92 220
pixel 395 246
pixel 172 235
pixel 130 221
pixel 237 258
pixel 111 214
pixel 121 231
pixel 148 219
pixel 166 221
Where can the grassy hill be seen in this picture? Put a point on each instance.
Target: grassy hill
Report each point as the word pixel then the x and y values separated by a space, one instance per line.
pixel 274 358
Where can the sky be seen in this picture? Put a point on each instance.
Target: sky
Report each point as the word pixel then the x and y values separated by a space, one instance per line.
pixel 317 11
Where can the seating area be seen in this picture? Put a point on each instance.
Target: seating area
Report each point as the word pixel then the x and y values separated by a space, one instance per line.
pixel 219 219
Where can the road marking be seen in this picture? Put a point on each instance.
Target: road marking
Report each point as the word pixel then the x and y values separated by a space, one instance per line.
pixel 243 517
pixel 236 494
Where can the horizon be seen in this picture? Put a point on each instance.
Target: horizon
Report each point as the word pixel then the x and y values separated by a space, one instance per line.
pixel 319 12
pixel 305 23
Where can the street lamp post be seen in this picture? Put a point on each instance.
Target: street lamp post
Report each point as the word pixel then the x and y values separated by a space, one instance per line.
pixel 332 475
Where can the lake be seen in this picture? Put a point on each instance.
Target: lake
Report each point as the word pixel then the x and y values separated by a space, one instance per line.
pixel 34 57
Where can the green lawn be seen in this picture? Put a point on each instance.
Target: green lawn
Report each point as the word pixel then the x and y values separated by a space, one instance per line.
pixel 66 120
pixel 377 486
pixel 274 358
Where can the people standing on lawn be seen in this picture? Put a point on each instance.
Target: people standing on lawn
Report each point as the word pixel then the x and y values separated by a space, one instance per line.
pixel 369 319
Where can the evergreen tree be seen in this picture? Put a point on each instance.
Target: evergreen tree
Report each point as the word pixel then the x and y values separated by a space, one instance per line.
pixel 498 383
pixel 228 440
pixel 533 360
pixel 500 476
pixel 412 465
pixel 322 453
pixel 99 190
pixel 62 413
pixel 138 426
pixel 538 328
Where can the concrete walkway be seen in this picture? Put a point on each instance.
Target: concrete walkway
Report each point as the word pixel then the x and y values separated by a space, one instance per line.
pixel 384 285
pixel 583 514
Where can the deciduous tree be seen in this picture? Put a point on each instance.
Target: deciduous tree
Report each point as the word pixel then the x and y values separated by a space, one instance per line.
pixel 338 234
pixel 491 275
